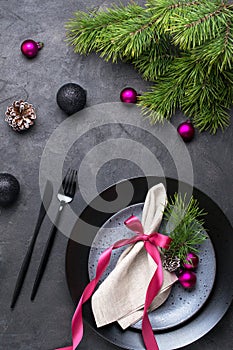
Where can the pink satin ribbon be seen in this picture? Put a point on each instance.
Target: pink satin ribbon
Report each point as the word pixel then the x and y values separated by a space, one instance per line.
pixel 151 242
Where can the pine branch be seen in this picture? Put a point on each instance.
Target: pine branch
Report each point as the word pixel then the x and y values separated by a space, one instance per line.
pixel 196 22
pixel 163 9
pixel 208 23
pixel 204 97
pixel 219 51
pixel 169 91
pixel 184 226
pixel 185 47
pixel 156 60
pixel 118 32
pixel 208 96
pixel 85 30
pixel 211 118
pixel 128 40
pixel 162 101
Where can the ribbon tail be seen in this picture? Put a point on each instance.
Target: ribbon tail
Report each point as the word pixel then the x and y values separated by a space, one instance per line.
pixel 148 334
pixel 77 320
pixel 153 289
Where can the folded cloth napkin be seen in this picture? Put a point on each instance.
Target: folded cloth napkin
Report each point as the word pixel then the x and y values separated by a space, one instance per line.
pixel 121 296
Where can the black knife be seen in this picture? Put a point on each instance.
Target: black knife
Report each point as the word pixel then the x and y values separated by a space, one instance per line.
pixel 47 197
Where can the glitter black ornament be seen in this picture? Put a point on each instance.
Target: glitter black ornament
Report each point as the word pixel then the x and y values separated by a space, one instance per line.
pixel 71 98
pixel 9 189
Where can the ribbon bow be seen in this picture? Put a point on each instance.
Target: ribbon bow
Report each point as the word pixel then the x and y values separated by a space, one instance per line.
pixel 151 244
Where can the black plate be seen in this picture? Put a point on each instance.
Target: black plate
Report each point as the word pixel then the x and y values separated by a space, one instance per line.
pixel 221 234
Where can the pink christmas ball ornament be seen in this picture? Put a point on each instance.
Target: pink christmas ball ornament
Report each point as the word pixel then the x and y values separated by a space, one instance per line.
pixel 191 261
pixel 128 95
pixel 187 279
pixel 30 48
pixel 186 131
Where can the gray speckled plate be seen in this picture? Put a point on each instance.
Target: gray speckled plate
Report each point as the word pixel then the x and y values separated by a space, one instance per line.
pixel 182 304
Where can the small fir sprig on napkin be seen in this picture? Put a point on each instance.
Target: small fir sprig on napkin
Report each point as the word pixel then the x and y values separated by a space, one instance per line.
pixel 184 226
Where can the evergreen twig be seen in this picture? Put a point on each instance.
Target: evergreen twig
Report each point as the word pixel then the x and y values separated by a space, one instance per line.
pixel 185 226
pixel 156 60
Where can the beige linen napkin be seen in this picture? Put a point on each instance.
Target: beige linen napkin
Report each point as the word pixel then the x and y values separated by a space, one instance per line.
pixel 121 296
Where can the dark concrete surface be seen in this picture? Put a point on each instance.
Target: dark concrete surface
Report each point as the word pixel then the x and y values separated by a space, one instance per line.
pixel 45 324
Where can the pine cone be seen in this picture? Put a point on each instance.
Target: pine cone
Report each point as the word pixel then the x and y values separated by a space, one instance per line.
pixel 20 115
pixel 171 264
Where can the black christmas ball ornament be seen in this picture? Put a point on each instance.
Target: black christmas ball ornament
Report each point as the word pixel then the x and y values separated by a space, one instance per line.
pixel 71 98
pixel 9 189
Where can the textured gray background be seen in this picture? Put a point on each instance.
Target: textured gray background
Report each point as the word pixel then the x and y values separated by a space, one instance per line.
pixel 45 324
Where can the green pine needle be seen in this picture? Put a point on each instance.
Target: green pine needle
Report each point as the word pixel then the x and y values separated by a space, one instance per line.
pixel 156 60
pixel 184 226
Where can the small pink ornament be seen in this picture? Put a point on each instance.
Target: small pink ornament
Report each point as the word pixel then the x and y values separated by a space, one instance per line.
pixel 187 279
pixel 186 131
pixel 30 48
pixel 128 95
pixel 192 261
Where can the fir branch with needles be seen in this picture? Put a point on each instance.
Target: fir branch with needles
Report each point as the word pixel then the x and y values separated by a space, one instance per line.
pixel 184 225
pixel 185 47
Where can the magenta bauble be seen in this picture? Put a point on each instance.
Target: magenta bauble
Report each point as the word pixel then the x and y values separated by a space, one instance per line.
pixel 186 130
pixel 187 279
pixel 192 261
pixel 30 48
pixel 128 95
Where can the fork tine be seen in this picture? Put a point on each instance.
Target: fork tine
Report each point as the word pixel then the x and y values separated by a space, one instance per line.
pixel 71 184
pixel 67 191
pixel 73 187
pixel 65 180
pixel 68 181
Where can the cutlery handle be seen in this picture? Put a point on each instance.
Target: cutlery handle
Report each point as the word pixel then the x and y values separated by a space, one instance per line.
pixel 45 256
pixel 23 271
pixel 27 258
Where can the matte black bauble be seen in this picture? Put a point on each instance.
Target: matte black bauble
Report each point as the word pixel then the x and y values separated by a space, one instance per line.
pixel 9 189
pixel 71 98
